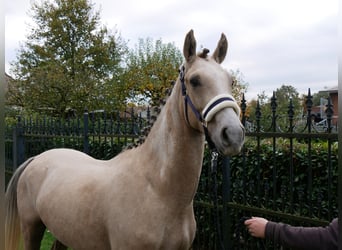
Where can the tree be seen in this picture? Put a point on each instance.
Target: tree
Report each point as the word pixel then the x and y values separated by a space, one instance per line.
pixel 283 95
pixel 68 62
pixel 240 86
pixel 282 99
pixel 150 69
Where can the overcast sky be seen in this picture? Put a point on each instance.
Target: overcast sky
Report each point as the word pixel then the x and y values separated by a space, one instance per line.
pixel 272 42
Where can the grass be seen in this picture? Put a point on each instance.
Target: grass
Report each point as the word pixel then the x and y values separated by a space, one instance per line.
pixel 47 241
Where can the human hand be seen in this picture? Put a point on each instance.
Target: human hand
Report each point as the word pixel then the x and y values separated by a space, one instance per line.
pixel 256 226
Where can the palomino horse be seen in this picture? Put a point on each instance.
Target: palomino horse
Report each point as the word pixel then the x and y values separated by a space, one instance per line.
pixel 143 197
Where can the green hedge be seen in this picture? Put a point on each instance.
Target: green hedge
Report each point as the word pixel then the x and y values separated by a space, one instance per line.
pixel 262 172
pixel 252 186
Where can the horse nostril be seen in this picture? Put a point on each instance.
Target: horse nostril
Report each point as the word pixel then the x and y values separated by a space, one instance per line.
pixel 231 137
pixel 224 135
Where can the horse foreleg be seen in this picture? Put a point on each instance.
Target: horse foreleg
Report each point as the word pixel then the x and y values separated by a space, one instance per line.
pixel 57 245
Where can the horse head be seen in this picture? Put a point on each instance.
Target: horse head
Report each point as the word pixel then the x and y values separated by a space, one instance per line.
pixel 207 90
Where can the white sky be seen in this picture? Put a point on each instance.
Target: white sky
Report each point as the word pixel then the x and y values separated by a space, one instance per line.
pixel 272 42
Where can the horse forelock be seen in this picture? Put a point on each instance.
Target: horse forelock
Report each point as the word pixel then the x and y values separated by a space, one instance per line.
pixel 204 53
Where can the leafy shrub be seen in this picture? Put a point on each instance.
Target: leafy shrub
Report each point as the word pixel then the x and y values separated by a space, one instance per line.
pixel 264 177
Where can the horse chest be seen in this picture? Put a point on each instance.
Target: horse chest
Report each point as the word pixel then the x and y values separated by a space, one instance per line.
pixel 153 227
pixel 156 238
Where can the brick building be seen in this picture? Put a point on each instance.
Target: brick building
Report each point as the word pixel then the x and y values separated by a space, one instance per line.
pixel 333 94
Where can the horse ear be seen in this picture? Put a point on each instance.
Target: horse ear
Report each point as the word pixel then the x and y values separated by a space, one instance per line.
pixel 221 49
pixel 189 49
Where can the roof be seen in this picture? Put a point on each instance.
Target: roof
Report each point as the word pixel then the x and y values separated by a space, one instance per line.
pixel 331 90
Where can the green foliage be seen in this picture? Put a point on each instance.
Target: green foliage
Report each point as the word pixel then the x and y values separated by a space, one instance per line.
pixel 105 150
pixel 240 85
pixel 282 96
pixel 47 241
pixel 255 191
pixel 68 61
pixel 265 171
pixel 150 69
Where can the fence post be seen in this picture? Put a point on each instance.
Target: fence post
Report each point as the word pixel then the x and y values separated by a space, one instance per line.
pixel 85 132
pixel 18 144
pixel 226 220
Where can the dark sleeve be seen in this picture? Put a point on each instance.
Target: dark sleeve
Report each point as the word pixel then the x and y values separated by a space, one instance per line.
pixel 323 238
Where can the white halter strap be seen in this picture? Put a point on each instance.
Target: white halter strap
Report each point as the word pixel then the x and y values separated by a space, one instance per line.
pixel 217 103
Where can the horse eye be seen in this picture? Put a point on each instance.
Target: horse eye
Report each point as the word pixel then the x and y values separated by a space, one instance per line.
pixel 195 81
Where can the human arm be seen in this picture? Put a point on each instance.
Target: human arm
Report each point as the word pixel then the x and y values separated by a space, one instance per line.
pixel 304 237
pixel 296 237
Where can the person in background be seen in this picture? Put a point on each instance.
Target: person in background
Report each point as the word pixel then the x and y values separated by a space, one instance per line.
pixel 322 238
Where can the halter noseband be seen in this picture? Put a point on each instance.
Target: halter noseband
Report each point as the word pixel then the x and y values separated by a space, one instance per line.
pixel 213 106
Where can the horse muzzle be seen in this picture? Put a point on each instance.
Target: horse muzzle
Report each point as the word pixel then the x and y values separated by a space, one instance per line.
pixel 227 132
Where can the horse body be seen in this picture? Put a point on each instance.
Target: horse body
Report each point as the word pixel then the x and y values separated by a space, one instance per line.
pixel 95 201
pixel 116 195
pixel 142 198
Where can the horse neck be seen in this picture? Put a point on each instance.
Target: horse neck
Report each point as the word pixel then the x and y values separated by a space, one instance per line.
pixel 176 150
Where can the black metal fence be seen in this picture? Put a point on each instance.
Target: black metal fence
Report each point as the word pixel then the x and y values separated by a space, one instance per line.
pixel 288 176
pixel 99 134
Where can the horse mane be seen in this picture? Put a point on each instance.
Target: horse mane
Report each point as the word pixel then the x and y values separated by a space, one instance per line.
pixel 156 110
